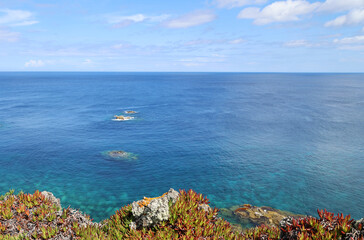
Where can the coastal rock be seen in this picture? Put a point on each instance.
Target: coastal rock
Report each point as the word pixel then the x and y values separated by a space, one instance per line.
pixel 29 222
pixel 118 154
pixel 204 207
pixel 262 215
pixel 82 219
pixel 151 211
pixel 357 223
pixel 122 118
pixel 286 221
pixel 130 112
pixel 52 198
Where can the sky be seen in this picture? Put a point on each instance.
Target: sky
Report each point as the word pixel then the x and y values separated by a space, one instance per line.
pixel 182 36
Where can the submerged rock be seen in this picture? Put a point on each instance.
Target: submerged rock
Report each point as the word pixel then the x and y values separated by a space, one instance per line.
pixel 262 215
pixel 151 211
pixel 122 118
pixel 130 112
pixel 119 154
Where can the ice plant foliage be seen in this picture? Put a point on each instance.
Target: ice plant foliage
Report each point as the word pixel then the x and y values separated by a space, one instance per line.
pixel 327 226
pixel 32 216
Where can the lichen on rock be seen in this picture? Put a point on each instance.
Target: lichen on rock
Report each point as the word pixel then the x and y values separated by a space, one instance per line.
pixel 151 211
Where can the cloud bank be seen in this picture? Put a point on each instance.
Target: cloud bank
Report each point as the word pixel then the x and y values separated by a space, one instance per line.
pixel 123 21
pixel 237 3
pixel 34 63
pixel 8 36
pixel 280 11
pixel 354 17
pixel 15 18
pixel 191 19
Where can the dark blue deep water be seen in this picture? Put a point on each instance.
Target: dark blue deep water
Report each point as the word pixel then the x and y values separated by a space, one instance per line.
pixel 289 141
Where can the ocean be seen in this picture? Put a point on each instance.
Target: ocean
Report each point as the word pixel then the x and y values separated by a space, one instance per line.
pixel 290 141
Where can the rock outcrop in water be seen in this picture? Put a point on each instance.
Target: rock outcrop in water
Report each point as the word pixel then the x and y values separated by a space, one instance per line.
pixel 130 112
pixel 262 215
pixel 122 118
pixel 119 154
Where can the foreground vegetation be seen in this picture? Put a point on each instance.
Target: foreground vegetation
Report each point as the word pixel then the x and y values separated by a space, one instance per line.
pixel 34 216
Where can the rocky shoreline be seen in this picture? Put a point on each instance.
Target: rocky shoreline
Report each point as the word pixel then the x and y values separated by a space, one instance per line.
pixel 173 215
pixel 251 215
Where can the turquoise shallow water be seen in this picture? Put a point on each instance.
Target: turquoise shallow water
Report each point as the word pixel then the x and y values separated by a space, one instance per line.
pixel 289 141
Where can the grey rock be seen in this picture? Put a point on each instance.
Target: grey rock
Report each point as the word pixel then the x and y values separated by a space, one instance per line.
pixel 172 195
pixel 132 226
pixel 52 198
pixel 155 212
pixel 357 222
pixel 204 207
pixel 285 221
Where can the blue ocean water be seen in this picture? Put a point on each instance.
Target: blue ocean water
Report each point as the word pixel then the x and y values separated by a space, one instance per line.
pixel 289 141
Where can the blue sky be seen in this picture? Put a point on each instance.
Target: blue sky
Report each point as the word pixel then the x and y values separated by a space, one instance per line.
pixel 188 36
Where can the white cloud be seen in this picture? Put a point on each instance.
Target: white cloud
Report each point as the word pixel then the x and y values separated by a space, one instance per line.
pixel 236 41
pixel 304 43
pixel 16 17
pixel 199 42
pixel 25 23
pixel 123 21
pixel 9 36
pixel 191 19
pixel 354 17
pixel 341 5
pixel 203 60
pixel 119 46
pixel 87 61
pixel 297 43
pixel 355 43
pixel 192 64
pixel 34 63
pixel 159 18
pixel 206 42
pixel 237 3
pixel 132 18
pixel 280 11
pixel 350 40
pixel 352 48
